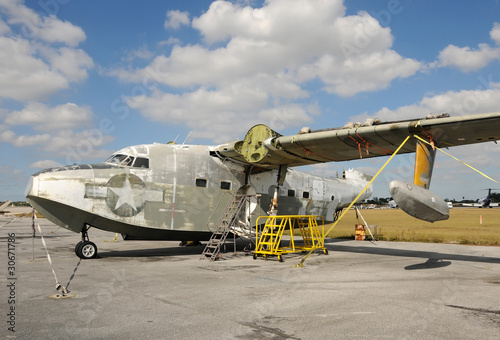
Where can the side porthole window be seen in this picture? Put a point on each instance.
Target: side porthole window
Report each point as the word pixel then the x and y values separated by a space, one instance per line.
pixel 225 185
pixel 333 198
pixel 305 194
pixel 201 182
pixel 291 193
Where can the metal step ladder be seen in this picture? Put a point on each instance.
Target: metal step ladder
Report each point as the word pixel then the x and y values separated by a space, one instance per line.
pixel 227 221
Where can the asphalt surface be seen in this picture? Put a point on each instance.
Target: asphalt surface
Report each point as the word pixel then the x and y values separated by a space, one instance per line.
pixel 158 290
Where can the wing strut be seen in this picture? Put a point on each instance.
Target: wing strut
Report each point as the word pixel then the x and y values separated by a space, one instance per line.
pixel 273 209
pixel 425 156
pixel 300 264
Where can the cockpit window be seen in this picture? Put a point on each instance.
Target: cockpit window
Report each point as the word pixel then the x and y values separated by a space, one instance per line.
pixel 141 162
pixel 126 160
pixel 117 159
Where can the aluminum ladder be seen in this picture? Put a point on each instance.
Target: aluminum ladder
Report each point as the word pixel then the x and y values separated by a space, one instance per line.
pixel 227 220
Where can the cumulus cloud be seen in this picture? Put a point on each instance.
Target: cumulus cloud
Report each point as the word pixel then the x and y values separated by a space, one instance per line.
pixel 11 137
pixel 469 59
pixel 33 26
pixel 141 53
pixel 270 52
pixel 71 63
pixel 31 68
pixel 73 146
pixel 495 33
pixel 203 107
pixel 43 164
pixel 24 76
pixel 4 28
pixel 175 19
pixel 44 118
pixel 63 131
pixel 453 102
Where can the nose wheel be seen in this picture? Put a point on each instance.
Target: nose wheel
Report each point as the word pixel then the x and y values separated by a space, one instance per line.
pixel 85 249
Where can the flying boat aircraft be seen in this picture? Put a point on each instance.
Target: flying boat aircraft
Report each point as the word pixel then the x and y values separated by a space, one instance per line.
pixel 176 192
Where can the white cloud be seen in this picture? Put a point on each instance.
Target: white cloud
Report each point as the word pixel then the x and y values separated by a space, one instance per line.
pixel 63 131
pixel 170 41
pixel 468 59
pixel 175 19
pixel 11 137
pixel 30 67
pixel 271 53
pixel 73 146
pixel 455 103
pixel 72 63
pixel 4 28
pixel 364 73
pixel 44 164
pixel 212 113
pixel 23 76
pixel 49 29
pixel 54 30
pixel 44 118
pixel 495 33
pixel 141 53
pixel 204 108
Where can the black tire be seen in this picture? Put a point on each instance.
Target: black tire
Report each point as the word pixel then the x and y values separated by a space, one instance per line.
pixel 87 250
pixel 79 244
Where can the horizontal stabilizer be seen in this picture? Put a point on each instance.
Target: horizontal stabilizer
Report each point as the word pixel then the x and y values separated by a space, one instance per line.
pixel 419 202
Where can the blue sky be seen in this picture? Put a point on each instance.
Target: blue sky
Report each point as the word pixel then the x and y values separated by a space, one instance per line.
pixel 82 79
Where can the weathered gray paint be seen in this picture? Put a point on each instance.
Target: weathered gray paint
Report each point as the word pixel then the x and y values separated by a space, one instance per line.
pixel 162 202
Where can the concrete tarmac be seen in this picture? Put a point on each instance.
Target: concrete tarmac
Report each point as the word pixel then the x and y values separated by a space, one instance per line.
pixel 158 290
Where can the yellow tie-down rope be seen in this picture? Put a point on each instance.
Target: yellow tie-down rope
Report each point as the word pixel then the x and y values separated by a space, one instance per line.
pixel 423 140
pixel 357 197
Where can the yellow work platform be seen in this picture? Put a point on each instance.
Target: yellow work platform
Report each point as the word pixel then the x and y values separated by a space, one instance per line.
pixel 268 240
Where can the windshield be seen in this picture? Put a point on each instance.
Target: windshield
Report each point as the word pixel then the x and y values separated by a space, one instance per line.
pixel 134 156
pixel 120 160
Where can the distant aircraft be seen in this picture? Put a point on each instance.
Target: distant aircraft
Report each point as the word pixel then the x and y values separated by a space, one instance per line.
pixel 176 192
pixel 4 206
pixel 483 202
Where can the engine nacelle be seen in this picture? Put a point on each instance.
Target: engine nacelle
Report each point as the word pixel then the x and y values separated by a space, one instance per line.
pixel 419 202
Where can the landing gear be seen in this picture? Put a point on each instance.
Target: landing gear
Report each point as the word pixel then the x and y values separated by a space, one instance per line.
pixel 86 249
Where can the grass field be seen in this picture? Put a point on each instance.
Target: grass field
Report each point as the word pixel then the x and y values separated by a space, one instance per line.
pixel 462 227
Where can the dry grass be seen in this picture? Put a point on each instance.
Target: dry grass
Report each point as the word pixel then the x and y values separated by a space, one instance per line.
pixel 394 225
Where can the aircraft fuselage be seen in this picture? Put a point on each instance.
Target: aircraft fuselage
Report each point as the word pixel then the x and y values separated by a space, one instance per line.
pixel 177 192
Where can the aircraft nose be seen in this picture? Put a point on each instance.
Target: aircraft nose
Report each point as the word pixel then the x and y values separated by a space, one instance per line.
pixel 59 194
pixel 32 187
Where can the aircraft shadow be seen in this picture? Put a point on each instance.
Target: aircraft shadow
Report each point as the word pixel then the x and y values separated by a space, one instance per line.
pixel 433 259
pixel 172 251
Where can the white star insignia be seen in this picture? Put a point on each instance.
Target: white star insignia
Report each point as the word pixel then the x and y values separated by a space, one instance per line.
pixel 125 195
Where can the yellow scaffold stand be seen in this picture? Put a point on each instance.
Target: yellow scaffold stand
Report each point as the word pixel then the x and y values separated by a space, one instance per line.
pixel 268 241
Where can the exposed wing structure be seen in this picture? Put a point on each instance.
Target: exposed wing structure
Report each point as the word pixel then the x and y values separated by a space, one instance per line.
pixel 265 148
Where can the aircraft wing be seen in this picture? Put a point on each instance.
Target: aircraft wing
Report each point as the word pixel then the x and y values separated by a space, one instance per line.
pixel 265 148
